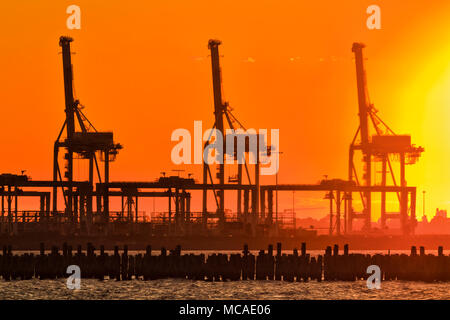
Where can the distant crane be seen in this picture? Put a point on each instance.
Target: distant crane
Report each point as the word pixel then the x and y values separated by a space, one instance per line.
pixel 378 148
pixel 221 109
pixel 85 144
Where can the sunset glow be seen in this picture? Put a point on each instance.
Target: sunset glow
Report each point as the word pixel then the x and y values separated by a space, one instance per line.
pixel 142 70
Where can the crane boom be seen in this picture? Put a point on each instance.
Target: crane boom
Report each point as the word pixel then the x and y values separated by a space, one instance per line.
pixel 364 109
pixel 213 45
pixel 363 101
pixel 64 42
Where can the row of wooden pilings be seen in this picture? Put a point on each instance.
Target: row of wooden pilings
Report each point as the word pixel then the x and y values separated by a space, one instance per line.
pixel 331 266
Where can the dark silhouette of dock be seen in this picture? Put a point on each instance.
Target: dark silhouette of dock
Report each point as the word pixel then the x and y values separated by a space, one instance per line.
pixel 86 209
pixel 272 265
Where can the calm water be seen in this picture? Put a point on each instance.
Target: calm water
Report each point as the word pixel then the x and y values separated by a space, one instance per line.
pixel 187 289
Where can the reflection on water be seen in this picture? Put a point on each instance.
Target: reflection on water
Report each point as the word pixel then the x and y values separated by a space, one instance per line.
pixel 174 289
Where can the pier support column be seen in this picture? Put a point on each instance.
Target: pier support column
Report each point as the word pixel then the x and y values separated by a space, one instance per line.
pixel 330 196
pixel 413 221
pixel 239 192
pixel 263 205
pixel 270 206
pixel 338 212
pixel 403 196
pixel 383 193
pixel 106 190
pixel 246 203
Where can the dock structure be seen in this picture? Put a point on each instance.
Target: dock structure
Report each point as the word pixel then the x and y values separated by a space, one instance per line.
pixel 87 209
pixel 179 218
pixel 265 266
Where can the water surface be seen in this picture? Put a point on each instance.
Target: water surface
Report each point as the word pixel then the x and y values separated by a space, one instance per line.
pixel 174 289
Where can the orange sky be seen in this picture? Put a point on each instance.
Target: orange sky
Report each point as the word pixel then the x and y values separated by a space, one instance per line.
pixel 142 69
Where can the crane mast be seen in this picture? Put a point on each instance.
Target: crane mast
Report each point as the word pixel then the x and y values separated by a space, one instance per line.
pixel 64 42
pixel 213 45
pixel 364 108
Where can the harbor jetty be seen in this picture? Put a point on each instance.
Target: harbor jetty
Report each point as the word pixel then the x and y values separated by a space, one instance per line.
pixel 299 266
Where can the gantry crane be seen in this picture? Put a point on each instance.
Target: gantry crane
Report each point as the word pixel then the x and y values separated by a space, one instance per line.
pixel 84 144
pixel 378 148
pixel 221 109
